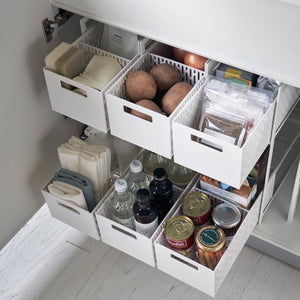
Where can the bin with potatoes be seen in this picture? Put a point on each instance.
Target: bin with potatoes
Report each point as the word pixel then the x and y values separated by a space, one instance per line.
pixel 144 101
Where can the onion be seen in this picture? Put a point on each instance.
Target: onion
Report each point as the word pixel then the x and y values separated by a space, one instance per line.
pixel 179 54
pixel 194 60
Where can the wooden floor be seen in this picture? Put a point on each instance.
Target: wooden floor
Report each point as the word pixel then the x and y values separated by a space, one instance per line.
pixel 49 260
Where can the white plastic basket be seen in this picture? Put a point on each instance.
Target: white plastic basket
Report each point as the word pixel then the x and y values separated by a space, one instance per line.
pixel 231 164
pixel 73 215
pixel 155 136
pixel 125 239
pixel 192 272
pixel 90 110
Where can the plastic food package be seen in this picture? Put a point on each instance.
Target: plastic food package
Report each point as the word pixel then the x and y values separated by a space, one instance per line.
pixel 230 111
pixel 229 72
pixel 268 84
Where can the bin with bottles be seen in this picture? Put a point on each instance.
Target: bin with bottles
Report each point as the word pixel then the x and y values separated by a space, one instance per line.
pixel 132 216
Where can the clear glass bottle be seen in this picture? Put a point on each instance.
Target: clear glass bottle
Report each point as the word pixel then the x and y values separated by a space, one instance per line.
pixel 179 175
pixel 152 160
pixel 161 189
pixel 122 204
pixel 145 215
pixel 137 179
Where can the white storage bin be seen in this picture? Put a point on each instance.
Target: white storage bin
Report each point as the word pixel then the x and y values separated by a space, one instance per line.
pixel 192 272
pixel 73 215
pixel 90 110
pixel 231 164
pixel 125 239
pixel 155 136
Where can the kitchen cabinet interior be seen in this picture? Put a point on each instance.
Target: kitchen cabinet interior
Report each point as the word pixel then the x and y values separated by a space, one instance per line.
pixel 269 52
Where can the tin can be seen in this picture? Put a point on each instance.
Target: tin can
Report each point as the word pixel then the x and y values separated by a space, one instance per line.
pixel 228 217
pixel 210 245
pixel 179 233
pixel 197 207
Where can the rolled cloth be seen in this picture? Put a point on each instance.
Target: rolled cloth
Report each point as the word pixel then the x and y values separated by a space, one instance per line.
pixel 68 192
pixel 79 181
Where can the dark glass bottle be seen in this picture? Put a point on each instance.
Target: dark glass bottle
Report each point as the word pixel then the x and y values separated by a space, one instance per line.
pixel 161 189
pixel 145 215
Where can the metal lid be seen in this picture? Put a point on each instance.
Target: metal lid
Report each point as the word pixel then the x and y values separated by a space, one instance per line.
pixel 195 204
pixel 210 238
pixel 179 228
pixel 136 166
pixel 121 185
pixel 226 215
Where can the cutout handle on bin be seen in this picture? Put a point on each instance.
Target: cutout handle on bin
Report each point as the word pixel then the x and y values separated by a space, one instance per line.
pixel 69 208
pixel 124 231
pixel 206 143
pixel 73 89
pixel 140 115
pixel 184 262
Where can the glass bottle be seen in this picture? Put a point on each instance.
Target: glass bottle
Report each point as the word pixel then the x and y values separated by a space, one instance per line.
pixel 145 215
pixel 122 204
pixel 179 175
pixel 152 160
pixel 161 189
pixel 137 179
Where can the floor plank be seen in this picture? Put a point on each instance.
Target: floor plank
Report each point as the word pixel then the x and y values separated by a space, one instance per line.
pixel 49 260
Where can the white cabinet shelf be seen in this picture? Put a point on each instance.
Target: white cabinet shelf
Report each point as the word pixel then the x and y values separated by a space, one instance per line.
pixel 259 44
pixel 259 36
pixel 275 230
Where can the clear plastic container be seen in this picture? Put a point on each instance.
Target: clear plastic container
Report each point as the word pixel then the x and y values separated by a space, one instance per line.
pixel 122 204
pixel 137 179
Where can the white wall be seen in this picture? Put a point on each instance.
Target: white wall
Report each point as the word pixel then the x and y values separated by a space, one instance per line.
pixel 30 130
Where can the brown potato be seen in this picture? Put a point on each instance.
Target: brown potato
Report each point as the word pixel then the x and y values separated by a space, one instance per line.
pixel 165 76
pixel 140 85
pixel 174 96
pixel 147 104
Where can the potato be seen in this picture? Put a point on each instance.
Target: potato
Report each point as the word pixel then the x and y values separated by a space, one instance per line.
pixel 165 76
pixel 140 85
pixel 147 104
pixel 174 96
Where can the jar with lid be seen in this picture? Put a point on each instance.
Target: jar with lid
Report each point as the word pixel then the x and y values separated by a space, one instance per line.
pixel 152 160
pixel 228 217
pixel 179 175
pixel 210 245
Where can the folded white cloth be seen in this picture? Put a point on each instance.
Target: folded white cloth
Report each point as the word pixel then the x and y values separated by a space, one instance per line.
pixel 98 73
pixel 68 193
pixel 91 161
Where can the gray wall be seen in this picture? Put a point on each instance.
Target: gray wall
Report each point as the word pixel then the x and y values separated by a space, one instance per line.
pixel 30 130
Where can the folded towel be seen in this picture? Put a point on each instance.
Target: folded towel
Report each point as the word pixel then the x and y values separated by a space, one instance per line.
pixel 91 161
pixel 79 181
pixel 68 192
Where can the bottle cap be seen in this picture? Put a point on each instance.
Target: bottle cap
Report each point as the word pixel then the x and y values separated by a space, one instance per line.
pixel 121 185
pixel 136 166
pixel 143 195
pixel 159 173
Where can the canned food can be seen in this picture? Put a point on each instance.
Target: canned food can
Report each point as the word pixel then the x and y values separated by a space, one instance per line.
pixel 197 207
pixel 179 233
pixel 210 245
